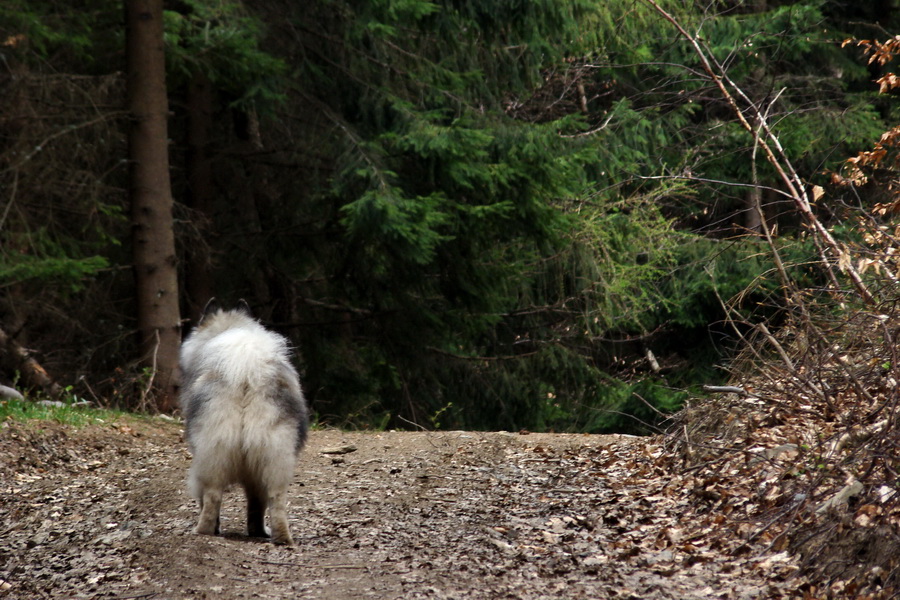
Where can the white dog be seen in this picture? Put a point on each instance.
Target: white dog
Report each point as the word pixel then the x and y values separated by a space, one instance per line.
pixel 245 418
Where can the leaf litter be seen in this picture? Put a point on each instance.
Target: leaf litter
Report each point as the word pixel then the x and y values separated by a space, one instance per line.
pixel 101 512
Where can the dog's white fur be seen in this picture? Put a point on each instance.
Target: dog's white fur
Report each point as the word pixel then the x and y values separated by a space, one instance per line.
pixel 245 418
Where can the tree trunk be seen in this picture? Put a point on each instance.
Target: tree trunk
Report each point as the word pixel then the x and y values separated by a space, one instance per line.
pixel 753 210
pixel 153 237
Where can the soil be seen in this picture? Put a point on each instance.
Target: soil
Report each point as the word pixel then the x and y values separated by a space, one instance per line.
pixel 102 512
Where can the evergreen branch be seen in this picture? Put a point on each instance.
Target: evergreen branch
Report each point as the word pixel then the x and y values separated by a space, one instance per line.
pixel 777 157
pixel 389 66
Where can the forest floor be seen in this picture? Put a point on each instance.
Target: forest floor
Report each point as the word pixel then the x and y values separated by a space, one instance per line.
pixel 102 512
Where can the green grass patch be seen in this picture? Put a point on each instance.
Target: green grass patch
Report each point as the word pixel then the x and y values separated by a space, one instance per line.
pixel 65 412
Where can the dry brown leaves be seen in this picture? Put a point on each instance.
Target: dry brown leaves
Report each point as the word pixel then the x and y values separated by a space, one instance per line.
pixel 102 513
pixel 807 466
pixel 728 506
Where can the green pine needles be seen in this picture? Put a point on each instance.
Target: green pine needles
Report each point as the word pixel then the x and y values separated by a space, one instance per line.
pixel 465 214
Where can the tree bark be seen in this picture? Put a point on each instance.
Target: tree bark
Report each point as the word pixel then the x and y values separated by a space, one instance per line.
pixel 150 193
pixel 753 210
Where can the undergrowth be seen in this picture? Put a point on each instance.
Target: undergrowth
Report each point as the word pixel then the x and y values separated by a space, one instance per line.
pixel 803 459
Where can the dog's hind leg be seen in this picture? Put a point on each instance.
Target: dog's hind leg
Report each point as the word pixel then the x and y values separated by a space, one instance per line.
pixel 256 512
pixel 281 532
pixel 210 504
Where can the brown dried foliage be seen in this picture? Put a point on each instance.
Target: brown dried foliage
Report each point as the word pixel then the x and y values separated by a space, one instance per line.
pixel 884 156
pixel 806 462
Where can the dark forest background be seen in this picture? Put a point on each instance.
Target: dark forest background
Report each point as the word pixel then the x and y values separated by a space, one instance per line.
pixel 491 215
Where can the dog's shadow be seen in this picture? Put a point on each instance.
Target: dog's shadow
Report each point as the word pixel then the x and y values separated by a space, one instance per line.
pixel 240 536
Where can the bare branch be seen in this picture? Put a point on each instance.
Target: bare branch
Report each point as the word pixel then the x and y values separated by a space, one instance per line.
pixel 775 154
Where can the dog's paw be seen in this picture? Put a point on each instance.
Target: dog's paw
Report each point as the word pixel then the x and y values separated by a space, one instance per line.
pixel 259 531
pixel 284 540
pixel 200 530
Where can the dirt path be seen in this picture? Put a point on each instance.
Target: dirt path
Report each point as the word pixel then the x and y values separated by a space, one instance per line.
pixel 102 513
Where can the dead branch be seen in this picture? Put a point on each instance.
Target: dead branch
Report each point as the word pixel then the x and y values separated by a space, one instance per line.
pixel 16 359
pixel 856 436
pixel 729 389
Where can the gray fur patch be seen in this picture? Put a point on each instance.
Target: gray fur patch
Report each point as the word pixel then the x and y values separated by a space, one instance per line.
pixel 194 398
pixel 290 400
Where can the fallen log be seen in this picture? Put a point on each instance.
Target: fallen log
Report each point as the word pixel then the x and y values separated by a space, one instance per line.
pixel 14 359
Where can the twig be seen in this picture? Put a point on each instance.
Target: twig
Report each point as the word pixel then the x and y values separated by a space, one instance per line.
pixel 146 391
pixel 411 423
pixel 796 511
pixel 594 130
pixel 858 435
pixel 729 389
pixel 761 327
pixel 651 407
pixel 688 452
pixel 40 145
pixel 764 223
pixel 12 198
pixel 736 184
pixel 790 365
pixel 740 334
